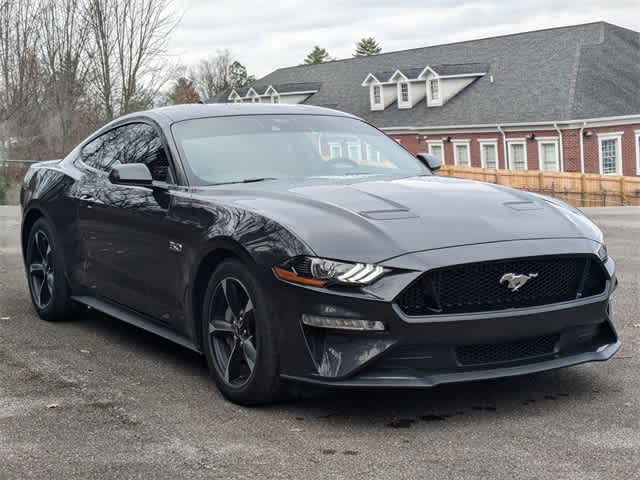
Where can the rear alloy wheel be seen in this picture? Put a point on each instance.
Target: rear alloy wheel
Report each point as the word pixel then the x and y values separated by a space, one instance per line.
pixel 238 336
pixel 41 270
pixel 46 276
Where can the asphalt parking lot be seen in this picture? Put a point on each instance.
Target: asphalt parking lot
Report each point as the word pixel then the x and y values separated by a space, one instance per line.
pixel 95 398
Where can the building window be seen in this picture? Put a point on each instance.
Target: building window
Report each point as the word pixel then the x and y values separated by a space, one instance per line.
pixel 461 153
pixel 434 90
pixel 404 92
pixel 354 152
pixel 518 155
pixel 489 154
pixel 548 155
pixel 275 99
pixel 377 94
pixel 437 149
pixel 372 154
pixel 610 160
pixel 335 150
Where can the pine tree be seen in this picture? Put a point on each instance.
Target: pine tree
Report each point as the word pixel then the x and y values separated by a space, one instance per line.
pixel 317 55
pixel 366 47
pixel 183 91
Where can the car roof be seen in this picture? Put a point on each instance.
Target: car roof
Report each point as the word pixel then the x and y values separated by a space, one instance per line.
pixel 178 113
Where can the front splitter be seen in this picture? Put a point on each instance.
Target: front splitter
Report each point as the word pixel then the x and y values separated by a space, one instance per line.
pixel 412 378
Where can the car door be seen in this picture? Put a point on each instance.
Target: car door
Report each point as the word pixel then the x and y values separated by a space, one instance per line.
pixel 125 228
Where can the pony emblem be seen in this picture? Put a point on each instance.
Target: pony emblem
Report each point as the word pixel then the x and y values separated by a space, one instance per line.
pixel 516 282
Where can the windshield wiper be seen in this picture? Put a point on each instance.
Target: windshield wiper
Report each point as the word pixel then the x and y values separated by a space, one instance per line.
pixel 246 180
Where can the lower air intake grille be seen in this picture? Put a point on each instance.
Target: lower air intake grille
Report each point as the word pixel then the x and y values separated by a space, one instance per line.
pixel 477 287
pixel 506 352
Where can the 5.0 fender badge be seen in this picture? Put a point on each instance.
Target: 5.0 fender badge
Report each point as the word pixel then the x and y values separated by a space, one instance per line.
pixel 175 247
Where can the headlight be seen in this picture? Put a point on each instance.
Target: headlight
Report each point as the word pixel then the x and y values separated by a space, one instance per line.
pixel 319 271
pixel 602 253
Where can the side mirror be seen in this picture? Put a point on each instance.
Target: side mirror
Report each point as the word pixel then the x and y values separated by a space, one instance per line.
pixel 432 162
pixel 136 174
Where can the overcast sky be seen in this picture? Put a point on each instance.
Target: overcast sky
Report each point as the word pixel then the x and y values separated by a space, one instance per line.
pixel 265 35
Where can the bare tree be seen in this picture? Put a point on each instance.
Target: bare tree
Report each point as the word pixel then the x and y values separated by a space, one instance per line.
pixel 100 16
pixel 218 74
pixel 19 68
pixel 142 29
pixel 64 36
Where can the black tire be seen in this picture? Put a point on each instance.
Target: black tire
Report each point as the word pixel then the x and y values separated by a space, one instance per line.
pixel 241 348
pixel 45 270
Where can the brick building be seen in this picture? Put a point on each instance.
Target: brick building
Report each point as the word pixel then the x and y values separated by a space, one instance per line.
pixel 558 99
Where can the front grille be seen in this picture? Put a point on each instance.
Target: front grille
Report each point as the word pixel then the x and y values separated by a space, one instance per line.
pixel 476 287
pixel 506 352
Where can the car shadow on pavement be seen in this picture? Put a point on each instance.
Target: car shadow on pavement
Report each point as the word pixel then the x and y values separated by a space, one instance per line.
pixel 393 408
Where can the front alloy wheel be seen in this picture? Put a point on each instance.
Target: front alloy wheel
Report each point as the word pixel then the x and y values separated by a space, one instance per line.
pixel 232 332
pixel 238 333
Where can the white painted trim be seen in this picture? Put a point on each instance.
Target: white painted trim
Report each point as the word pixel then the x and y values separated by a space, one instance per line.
pixel 610 136
pixel 248 94
pixel 517 141
pixel 458 142
pixel 408 103
pixel 493 142
pixel 464 75
pixel 440 143
pixel 637 132
pixel 568 124
pixel 270 91
pixel 366 81
pixel 430 101
pixel 233 96
pixel 376 106
pixel 301 92
pixel 392 79
pixel 548 141
pixel 424 71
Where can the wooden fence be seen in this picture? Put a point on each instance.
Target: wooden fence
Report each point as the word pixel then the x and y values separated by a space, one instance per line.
pixel 579 189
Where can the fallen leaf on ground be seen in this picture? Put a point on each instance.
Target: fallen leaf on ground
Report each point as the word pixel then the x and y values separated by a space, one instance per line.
pixel 5 318
pixel 295 429
pixel 84 351
pixel 53 405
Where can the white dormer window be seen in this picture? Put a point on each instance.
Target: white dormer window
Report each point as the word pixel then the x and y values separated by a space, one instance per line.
pixel 404 92
pixel 377 95
pixel 275 99
pixel 434 89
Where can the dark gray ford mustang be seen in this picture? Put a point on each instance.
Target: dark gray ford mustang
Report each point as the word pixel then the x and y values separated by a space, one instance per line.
pixel 293 243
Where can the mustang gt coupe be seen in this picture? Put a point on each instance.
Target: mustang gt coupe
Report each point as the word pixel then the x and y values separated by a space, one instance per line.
pixel 290 243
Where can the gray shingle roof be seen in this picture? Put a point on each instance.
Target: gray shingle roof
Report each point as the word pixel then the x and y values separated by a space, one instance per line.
pixel 566 73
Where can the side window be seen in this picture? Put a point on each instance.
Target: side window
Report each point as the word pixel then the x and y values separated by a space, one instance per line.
pixel 93 152
pixel 133 143
pixel 103 152
pixel 142 144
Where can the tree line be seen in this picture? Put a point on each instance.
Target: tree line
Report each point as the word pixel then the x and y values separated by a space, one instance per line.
pixel 364 47
pixel 69 66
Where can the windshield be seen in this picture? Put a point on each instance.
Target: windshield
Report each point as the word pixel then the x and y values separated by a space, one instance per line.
pixel 245 148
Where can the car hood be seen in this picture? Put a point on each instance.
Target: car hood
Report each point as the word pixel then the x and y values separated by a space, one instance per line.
pixel 371 220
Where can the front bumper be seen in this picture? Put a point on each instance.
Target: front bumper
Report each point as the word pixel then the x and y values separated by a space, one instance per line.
pixel 428 351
